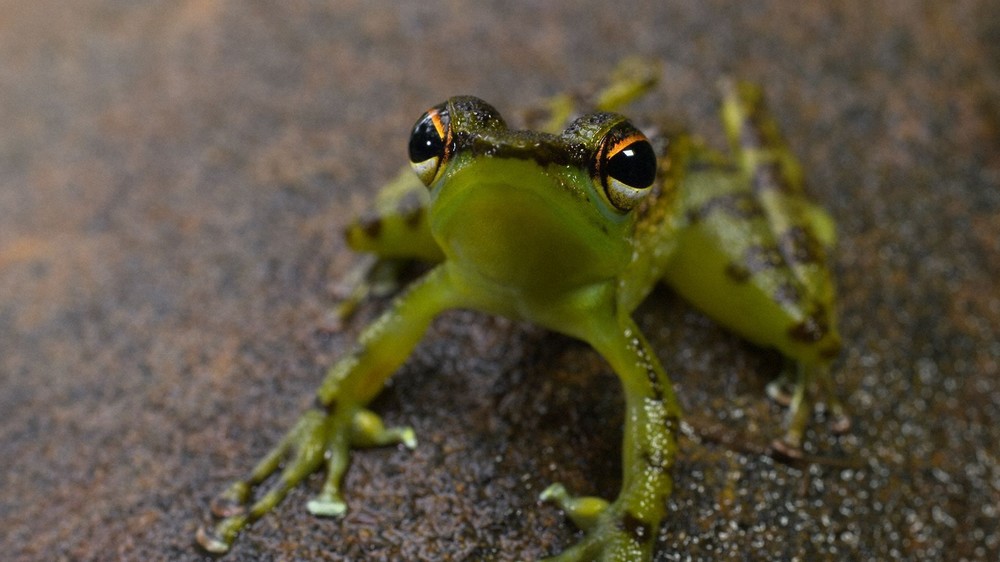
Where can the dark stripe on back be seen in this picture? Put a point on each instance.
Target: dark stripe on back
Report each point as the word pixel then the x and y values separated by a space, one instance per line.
pixel 543 148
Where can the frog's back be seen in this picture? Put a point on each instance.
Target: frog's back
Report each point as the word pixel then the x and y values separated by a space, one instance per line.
pixel 751 249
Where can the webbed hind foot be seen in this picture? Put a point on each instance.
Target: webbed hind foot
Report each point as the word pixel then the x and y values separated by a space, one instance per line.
pixel 799 396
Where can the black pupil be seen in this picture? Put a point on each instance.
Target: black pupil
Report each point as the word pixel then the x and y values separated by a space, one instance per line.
pixel 634 165
pixel 425 142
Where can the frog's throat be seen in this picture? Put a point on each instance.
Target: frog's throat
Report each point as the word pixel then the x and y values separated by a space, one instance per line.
pixel 523 226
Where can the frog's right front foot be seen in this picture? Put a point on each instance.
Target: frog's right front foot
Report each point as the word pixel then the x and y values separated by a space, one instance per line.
pixel 317 438
pixel 613 532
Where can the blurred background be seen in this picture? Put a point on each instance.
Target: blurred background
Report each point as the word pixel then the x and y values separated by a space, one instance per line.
pixel 174 177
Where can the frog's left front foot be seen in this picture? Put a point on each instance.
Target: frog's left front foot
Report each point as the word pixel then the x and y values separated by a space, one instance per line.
pixel 800 407
pixel 614 534
pixel 318 437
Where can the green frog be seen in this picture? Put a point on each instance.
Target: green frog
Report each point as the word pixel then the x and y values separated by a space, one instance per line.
pixel 571 230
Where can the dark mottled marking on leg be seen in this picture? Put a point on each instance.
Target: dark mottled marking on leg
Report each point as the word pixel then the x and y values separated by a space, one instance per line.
pixel 737 273
pixel 651 376
pixel 810 330
pixel 654 462
pixel 787 293
pixel 654 381
pixel 672 423
pixel 762 258
pixel 640 531
pixel 371 225
pixel 327 408
pixel 658 461
pixel 830 352
pixel 736 205
pixel 800 246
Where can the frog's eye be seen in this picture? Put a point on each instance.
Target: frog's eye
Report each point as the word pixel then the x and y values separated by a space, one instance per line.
pixel 626 165
pixel 430 143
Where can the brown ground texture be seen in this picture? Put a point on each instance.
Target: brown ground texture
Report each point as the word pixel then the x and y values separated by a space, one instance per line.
pixel 174 177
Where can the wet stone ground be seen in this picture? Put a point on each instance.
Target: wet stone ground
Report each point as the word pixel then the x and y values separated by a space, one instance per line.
pixel 173 180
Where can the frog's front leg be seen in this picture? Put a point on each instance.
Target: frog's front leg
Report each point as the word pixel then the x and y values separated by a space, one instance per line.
pixel 338 422
pixel 626 529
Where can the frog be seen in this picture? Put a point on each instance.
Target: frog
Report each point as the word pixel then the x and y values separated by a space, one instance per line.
pixel 570 226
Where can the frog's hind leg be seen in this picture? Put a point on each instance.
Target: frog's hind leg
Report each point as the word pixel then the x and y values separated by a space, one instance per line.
pixel 801 233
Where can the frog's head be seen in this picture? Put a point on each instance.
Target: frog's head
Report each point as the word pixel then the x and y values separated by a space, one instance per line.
pixel 532 210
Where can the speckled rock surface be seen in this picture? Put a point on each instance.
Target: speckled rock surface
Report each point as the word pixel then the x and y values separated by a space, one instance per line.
pixel 173 178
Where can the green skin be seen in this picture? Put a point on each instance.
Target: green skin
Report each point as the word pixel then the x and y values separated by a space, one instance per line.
pixel 716 229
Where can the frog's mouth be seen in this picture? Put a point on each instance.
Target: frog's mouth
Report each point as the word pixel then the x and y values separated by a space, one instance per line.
pixel 521 227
